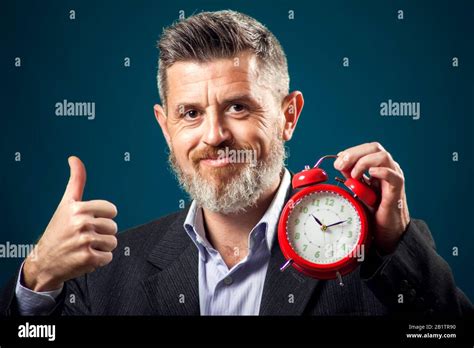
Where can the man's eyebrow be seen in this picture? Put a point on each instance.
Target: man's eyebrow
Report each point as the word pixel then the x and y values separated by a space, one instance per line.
pixel 233 98
pixel 180 107
pixel 239 97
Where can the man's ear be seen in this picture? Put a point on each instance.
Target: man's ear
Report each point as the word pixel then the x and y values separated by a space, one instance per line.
pixel 291 108
pixel 161 117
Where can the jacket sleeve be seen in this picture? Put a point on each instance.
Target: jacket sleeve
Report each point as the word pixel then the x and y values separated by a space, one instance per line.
pixel 73 300
pixel 414 278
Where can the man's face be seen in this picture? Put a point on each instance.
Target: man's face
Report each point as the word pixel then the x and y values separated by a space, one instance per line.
pixel 224 128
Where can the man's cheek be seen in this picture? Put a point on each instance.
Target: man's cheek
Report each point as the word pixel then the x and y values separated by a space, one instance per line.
pixel 181 160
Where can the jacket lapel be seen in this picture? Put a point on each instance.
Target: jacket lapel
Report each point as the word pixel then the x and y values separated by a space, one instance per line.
pixel 287 292
pixel 173 288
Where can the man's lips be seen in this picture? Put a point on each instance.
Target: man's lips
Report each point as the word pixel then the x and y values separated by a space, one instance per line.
pixel 215 162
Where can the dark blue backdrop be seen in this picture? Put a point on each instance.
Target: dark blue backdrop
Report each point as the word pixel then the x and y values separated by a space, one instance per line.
pixel 83 60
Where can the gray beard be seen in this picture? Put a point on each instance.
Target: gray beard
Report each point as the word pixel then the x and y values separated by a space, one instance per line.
pixel 242 191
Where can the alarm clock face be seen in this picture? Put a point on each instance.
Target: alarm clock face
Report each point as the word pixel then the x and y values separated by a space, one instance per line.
pixel 324 227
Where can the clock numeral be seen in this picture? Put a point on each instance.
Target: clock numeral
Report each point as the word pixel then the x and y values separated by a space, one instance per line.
pixel 304 209
pixel 329 202
pixel 349 234
pixel 297 235
pixel 316 254
pixel 342 208
pixel 315 202
pixel 305 246
pixel 297 221
pixel 344 247
pixel 349 220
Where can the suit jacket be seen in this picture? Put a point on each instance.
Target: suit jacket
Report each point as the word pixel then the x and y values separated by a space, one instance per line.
pixel 155 272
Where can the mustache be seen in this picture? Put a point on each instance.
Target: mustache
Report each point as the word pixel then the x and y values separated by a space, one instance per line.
pixel 214 152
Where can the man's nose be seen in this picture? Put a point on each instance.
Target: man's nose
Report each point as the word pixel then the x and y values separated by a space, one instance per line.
pixel 215 131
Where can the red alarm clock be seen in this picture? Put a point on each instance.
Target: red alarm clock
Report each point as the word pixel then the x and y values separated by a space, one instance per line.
pixel 324 229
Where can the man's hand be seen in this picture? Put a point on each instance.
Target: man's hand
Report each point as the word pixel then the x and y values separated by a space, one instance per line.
pixel 79 238
pixel 391 216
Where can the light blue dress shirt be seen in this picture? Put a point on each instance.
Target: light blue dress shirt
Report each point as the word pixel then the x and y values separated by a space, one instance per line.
pixel 235 291
pixel 222 291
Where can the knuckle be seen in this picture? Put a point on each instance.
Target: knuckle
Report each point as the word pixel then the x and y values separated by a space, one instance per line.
pixel 76 222
pixel 86 238
pixel 76 208
pixel 399 169
pixel 88 258
pixel 377 146
pixel 80 223
pixel 386 156
pixel 401 178
pixel 346 157
pixel 383 171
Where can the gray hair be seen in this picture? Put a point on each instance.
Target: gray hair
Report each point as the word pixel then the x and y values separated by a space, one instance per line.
pixel 223 34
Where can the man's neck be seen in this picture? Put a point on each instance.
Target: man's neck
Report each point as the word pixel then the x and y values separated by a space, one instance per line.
pixel 228 233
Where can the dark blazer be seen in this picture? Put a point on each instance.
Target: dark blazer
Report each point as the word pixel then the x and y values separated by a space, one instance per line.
pixel 155 272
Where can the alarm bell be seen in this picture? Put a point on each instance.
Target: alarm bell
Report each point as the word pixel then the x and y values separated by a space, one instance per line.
pixel 316 175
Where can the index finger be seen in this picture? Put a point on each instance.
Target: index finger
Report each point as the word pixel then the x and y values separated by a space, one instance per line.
pixel 348 158
pixel 99 208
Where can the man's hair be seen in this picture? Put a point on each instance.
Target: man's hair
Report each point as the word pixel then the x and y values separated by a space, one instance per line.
pixel 223 34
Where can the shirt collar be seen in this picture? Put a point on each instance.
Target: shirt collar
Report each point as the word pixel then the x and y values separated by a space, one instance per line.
pixel 194 225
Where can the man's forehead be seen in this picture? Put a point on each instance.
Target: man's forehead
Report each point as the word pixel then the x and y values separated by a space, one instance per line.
pixel 189 78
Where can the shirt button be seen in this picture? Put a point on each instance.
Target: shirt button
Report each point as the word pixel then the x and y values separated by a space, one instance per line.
pixel 228 280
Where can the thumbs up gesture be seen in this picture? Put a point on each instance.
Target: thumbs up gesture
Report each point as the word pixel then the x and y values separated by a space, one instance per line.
pixel 79 238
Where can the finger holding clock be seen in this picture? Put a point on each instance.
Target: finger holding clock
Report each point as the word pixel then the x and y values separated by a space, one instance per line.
pixel 392 184
pixel 392 216
pixel 378 159
pixel 347 159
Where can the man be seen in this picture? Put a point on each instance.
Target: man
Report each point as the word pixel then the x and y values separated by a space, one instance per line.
pixel 224 86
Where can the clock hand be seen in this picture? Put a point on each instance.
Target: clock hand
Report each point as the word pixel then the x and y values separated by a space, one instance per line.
pixel 336 223
pixel 319 222
pixel 323 226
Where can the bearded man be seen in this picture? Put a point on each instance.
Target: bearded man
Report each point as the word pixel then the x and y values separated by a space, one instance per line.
pixel 224 89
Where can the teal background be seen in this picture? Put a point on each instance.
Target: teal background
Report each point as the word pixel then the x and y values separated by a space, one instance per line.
pixel 82 60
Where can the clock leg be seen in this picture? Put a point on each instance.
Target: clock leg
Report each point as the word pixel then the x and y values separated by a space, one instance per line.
pixel 339 278
pixel 286 265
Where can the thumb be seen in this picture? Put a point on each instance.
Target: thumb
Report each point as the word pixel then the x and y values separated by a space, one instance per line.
pixel 77 179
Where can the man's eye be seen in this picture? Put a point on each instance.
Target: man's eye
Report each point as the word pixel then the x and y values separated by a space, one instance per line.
pixel 237 108
pixel 191 114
